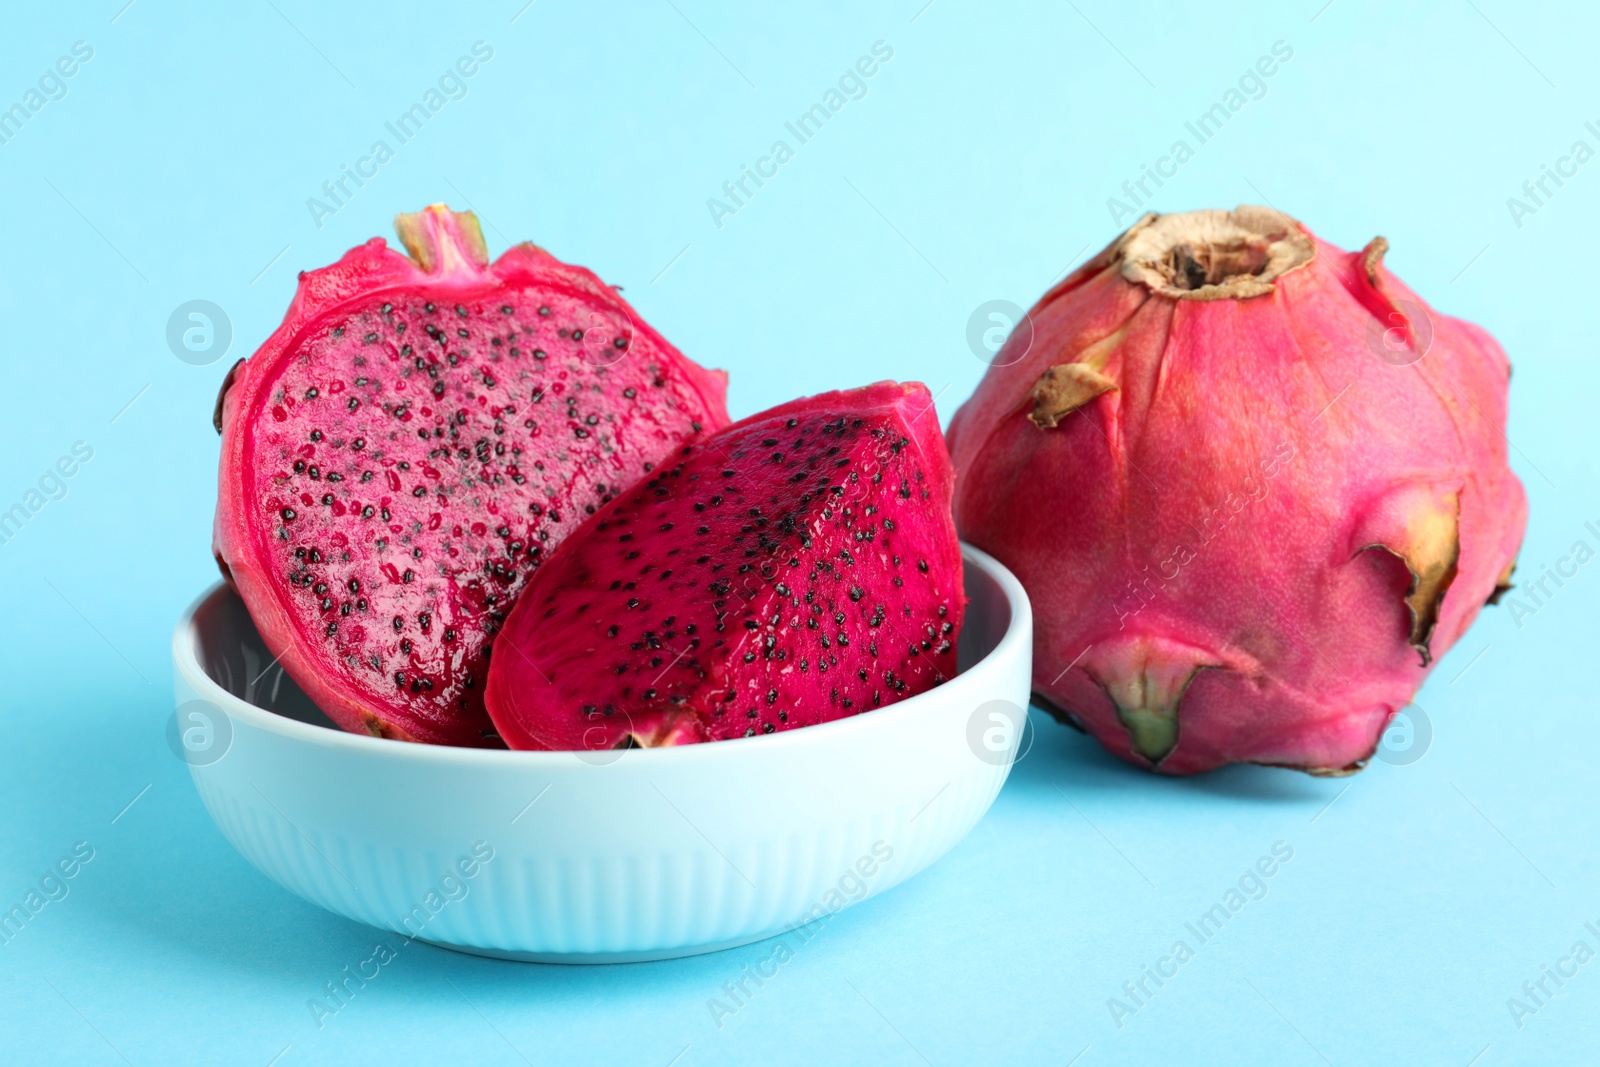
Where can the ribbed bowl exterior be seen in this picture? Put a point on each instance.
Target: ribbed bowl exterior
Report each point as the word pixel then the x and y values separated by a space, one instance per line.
pixel 641 854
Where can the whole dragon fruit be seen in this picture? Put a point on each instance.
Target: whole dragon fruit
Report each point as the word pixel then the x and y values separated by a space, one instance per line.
pixel 797 567
pixel 1253 485
pixel 412 442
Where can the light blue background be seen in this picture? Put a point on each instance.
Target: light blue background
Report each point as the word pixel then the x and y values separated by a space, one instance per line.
pixel 1419 898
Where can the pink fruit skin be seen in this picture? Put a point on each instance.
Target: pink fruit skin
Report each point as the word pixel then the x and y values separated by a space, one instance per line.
pixel 799 566
pixel 1225 536
pixel 263 428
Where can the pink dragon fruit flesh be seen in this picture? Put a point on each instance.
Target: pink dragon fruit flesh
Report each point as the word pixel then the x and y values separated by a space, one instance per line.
pixel 799 566
pixel 412 442
pixel 1254 486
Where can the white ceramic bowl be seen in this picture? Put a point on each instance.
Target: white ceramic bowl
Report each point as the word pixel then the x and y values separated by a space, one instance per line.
pixel 598 857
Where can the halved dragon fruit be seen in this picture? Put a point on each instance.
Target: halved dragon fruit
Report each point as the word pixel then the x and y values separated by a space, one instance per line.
pixel 797 567
pixel 412 442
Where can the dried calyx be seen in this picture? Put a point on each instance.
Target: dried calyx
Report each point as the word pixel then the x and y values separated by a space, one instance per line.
pixel 1213 255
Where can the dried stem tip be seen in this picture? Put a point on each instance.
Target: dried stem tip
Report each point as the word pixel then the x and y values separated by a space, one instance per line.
pixel 1214 255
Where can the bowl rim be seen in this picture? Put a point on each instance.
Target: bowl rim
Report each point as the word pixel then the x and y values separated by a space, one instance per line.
pixel 185 645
